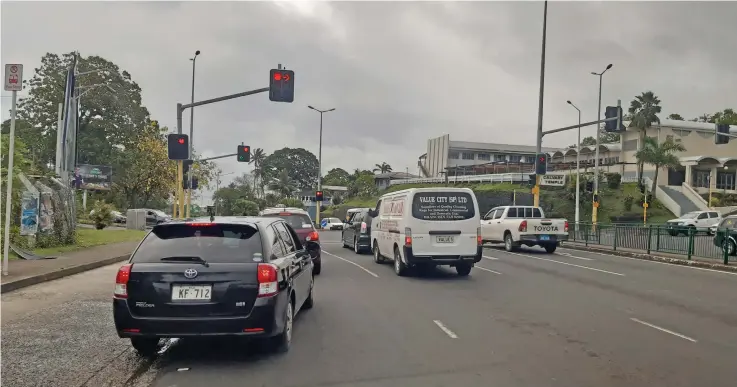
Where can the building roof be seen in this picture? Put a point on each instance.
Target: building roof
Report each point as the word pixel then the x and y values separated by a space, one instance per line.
pixel 611 147
pixel 395 175
pixel 490 147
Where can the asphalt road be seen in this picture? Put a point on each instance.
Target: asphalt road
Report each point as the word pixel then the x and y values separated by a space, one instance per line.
pixel 526 319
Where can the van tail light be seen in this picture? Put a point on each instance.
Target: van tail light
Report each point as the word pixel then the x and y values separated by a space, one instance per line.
pixel 313 237
pixel 121 281
pixel 408 237
pixel 267 276
pixel 565 226
pixel 364 228
pixel 478 236
pixel 522 226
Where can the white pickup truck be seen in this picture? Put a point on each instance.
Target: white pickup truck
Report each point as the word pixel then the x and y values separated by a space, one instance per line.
pixel 522 225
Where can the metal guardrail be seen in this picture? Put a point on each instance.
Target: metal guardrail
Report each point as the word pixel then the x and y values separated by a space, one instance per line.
pixel 649 239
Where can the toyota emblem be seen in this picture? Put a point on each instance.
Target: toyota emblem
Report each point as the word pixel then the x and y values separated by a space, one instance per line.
pixel 190 273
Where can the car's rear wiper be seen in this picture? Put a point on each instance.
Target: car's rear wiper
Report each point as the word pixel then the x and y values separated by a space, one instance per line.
pixel 186 259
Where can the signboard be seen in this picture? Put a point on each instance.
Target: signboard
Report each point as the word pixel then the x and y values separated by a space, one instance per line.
pixel 553 180
pixel 92 177
pixel 29 213
pixel 13 77
pixel 440 206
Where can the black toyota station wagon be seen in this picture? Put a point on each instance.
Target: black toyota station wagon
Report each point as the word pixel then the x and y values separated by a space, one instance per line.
pixel 230 276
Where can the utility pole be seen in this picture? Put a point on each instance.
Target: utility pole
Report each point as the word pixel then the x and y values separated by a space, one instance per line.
pixel 536 190
pixel 578 167
pixel 595 208
pixel 14 84
pixel 319 164
pixel 191 137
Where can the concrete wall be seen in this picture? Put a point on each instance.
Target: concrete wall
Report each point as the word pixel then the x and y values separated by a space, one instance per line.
pixel 437 155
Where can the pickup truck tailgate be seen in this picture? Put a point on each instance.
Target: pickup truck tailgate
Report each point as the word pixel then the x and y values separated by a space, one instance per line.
pixel 545 230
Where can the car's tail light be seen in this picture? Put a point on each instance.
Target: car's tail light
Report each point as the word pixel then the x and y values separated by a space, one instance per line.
pixel 478 236
pixel 407 237
pixel 523 226
pixel 121 281
pixel 565 226
pixel 267 276
pixel 313 237
pixel 364 228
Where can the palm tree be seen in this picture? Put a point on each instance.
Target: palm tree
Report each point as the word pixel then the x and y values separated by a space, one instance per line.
pixel 644 110
pixel 659 155
pixel 257 159
pixel 675 117
pixel 383 168
pixel 283 185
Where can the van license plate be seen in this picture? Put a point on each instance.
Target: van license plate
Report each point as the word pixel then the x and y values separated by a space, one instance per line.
pixel 444 239
pixel 191 292
pixel 544 237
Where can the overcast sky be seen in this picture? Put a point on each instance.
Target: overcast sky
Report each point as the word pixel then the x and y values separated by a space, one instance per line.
pixel 397 73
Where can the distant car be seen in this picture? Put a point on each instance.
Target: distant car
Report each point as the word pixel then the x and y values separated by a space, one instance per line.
pixel 117 216
pixel 236 276
pixel 698 221
pixel 333 224
pixel 302 224
pixel 357 233
pixel 725 235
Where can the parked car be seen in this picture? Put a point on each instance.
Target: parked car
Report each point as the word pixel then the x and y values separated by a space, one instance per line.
pixel 236 276
pixel 523 226
pixel 333 224
pixel 302 224
pixel 698 221
pixel 357 232
pixel 725 235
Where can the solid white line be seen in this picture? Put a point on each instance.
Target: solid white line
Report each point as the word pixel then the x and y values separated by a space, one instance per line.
pixel 353 263
pixel 492 258
pixel 568 264
pixel 662 263
pixel 489 270
pixel 573 256
pixel 663 330
pixel 445 329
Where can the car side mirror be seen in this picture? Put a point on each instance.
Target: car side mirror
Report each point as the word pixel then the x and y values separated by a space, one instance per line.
pixel 372 213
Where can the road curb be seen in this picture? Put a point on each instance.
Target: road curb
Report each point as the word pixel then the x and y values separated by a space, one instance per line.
pixel 6 287
pixel 655 258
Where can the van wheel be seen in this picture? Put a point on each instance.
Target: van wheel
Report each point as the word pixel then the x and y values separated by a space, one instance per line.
pixel 400 268
pixel 145 346
pixel 377 254
pixel 463 269
pixel 356 248
pixel 509 244
pixel 550 249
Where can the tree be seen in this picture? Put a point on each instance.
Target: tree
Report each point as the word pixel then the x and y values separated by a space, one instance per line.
pixel 363 184
pixel 727 116
pixel 659 155
pixel 257 159
pixel 283 184
pixel 383 168
pixel 243 207
pixel 299 164
pixel 675 117
pixel 337 176
pixel 644 110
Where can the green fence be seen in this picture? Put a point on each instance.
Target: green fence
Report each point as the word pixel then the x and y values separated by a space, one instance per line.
pixel 648 239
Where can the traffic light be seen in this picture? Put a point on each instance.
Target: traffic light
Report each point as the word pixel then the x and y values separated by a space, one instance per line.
pixel 532 179
pixel 596 198
pixel 612 112
pixel 195 183
pixel 178 146
pixel 318 196
pixel 589 186
pixel 281 85
pixel 244 154
pixel 720 130
pixel 541 164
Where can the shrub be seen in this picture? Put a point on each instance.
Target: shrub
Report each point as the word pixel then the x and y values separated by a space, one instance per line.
pixel 101 214
pixel 629 200
pixel 614 180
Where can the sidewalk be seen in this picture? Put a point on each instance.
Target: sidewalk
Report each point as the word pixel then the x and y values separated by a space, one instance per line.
pixel 24 273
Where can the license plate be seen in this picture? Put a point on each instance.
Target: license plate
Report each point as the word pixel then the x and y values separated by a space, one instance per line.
pixel 544 237
pixel 191 293
pixel 444 239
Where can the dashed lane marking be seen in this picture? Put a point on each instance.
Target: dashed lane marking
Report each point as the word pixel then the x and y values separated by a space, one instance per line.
pixel 445 329
pixel 663 330
pixel 354 264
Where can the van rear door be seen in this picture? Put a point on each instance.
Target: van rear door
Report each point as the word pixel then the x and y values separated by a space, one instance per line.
pixel 444 223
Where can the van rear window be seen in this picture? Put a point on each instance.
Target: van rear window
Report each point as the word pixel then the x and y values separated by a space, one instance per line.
pixel 442 206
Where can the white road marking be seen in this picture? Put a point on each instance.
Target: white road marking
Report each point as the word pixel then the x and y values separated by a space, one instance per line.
pixel 569 264
pixel 663 330
pixel 353 263
pixel 485 269
pixel 492 258
pixel 573 256
pixel 662 263
pixel 445 329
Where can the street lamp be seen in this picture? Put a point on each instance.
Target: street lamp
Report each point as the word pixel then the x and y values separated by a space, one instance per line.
pixel 191 135
pixel 319 162
pixel 578 165
pixel 594 211
pixel 540 102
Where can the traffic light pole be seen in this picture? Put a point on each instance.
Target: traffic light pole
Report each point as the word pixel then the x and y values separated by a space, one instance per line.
pixel 180 110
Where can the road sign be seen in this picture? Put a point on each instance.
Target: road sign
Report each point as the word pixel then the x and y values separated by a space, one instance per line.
pixel 13 77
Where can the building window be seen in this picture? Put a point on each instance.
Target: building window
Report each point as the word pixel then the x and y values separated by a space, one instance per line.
pixel 453 155
pixel 467 156
pixel 515 158
pixel 484 156
pixel 500 158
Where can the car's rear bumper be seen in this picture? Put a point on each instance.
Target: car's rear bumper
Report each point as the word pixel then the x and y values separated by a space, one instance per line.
pixel 537 239
pixel 413 259
pixel 364 241
pixel 264 320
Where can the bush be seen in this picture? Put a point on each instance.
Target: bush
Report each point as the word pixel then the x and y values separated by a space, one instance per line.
pixel 614 180
pixel 629 200
pixel 292 202
pixel 102 214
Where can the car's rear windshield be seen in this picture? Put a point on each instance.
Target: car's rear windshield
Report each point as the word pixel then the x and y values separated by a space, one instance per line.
pixel 443 206
pixel 730 222
pixel 297 221
pixel 215 243
pixel 334 220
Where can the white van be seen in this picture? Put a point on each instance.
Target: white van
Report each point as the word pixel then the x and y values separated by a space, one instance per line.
pixel 420 227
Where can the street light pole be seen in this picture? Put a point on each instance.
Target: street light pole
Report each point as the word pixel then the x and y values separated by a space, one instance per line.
pixel 594 210
pixel 578 166
pixel 319 164
pixel 536 190
pixel 191 136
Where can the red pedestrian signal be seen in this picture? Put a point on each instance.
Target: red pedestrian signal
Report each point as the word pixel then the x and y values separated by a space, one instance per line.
pixel 178 146
pixel 181 141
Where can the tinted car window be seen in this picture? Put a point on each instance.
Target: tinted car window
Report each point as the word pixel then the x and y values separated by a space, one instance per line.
pixel 443 206
pixel 729 223
pixel 286 237
pixel 215 243
pixel 297 221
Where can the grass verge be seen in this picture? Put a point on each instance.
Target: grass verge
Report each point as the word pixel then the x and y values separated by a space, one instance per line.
pixel 87 238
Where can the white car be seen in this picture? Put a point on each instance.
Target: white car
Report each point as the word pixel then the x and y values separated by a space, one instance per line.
pixel 698 221
pixel 425 227
pixel 333 224
pixel 523 226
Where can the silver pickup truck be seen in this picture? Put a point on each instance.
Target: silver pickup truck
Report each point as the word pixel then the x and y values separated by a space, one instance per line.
pixel 523 225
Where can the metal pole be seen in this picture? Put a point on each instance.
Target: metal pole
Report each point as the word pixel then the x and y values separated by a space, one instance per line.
pixel 9 194
pixel 594 210
pixel 540 104
pixel 191 137
pixel 319 173
pixel 178 202
pixel 578 166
